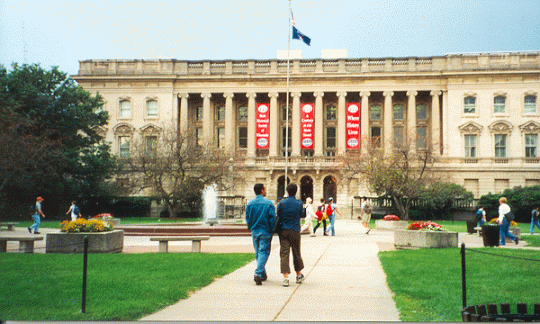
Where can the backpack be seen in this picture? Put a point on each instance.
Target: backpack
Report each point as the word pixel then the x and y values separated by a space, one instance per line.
pixel 76 210
pixel 479 214
pixel 535 214
pixel 509 216
pixel 329 210
pixel 304 213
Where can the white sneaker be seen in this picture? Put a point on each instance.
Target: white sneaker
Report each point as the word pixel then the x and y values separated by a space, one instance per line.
pixel 300 278
pixel 286 282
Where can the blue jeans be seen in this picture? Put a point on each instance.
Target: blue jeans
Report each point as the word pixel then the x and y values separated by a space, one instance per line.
pixel 481 222
pixel 37 221
pixel 504 231
pixel 262 243
pixel 534 222
pixel 331 227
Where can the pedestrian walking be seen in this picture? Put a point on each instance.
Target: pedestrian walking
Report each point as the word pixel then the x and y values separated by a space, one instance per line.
pixel 365 214
pixel 535 219
pixel 481 216
pixel 505 217
pixel 289 212
pixel 36 216
pixel 321 217
pixel 260 218
pixel 308 224
pixel 74 210
pixel 331 211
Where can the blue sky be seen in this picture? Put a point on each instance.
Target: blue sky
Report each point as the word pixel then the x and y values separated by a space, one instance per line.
pixel 61 33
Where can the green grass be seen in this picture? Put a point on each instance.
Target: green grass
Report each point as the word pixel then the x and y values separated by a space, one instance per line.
pixel 427 282
pixel 119 287
pixel 532 240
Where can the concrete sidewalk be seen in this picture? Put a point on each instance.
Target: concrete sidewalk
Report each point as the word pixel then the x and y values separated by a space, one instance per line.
pixel 344 282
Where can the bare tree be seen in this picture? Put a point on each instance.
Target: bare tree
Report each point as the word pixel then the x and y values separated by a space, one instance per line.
pixel 402 173
pixel 175 168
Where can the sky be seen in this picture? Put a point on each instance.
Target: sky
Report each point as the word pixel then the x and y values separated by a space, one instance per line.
pixel 62 33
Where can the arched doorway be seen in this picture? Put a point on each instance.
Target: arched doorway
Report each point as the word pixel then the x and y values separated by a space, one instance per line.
pixel 306 188
pixel 281 186
pixel 330 188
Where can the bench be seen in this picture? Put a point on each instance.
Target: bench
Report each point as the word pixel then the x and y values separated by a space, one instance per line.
pixel 478 230
pixel 26 243
pixel 164 241
pixel 10 226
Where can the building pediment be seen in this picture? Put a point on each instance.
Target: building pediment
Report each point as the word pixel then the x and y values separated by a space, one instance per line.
pixel 150 130
pixel 470 128
pixel 500 126
pixel 530 127
pixel 123 129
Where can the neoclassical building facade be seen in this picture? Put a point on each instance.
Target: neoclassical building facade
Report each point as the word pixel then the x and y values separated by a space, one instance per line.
pixel 479 110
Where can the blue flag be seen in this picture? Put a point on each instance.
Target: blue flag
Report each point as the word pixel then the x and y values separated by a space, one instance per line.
pixel 296 34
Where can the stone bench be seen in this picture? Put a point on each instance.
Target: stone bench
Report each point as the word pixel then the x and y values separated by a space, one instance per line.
pixel 10 226
pixel 478 230
pixel 26 243
pixel 164 241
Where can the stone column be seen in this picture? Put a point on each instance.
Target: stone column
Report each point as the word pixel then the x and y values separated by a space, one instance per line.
pixel 230 122
pixel 184 112
pixel 274 125
pixel 445 118
pixel 252 127
pixel 364 120
pixel 387 120
pixel 435 121
pixel 295 135
pixel 319 117
pixel 411 119
pixel 341 123
pixel 208 118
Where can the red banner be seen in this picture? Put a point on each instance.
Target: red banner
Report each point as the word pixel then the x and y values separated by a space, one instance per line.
pixel 353 126
pixel 262 121
pixel 307 125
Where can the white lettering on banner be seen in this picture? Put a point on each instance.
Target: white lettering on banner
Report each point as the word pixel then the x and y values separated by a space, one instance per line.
pixel 307 124
pixel 262 123
pixel 353 126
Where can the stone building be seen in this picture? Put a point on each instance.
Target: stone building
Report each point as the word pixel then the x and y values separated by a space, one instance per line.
pixel 480 110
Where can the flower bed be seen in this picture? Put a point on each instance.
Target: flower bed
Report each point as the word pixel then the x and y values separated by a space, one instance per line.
pixel 82 225
pixel 425 235
pixel 105 217
pixel 73 242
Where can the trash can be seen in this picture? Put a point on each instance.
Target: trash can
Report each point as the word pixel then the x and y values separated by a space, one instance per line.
pixel 471 224
pixel 490 235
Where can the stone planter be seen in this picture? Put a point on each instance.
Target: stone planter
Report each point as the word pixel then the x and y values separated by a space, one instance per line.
pixel 102 242
pixel 114 221
pixel 391 225
pixel 407 239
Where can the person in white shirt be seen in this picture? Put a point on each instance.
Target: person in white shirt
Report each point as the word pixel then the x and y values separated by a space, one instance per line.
pixel 309 216
pixel 505 224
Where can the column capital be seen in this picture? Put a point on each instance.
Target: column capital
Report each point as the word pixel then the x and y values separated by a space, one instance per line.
pixel 273 94
pixel 365 93
pixel 435 93
pixel 341 94
pixel 319 93
pixel 388 93
pixel 228 95
pixel 251 95
pixel 183 95
pixel 206 95
pixel 412 93
pixel 296 94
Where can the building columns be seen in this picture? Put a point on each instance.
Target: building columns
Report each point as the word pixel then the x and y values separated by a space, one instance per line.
pixel 435 121
pixel 319 115
pixel 252 127
pixel 184 112
pixel 208 118
pixel 364 121
pixel 387 118
pixel 341 123
pixel 411 119
pixel 230 122
pixel 274 124
pixel 295 135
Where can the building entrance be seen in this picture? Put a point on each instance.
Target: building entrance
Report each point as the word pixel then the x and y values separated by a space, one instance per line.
pixel 306 188
pixel 330 188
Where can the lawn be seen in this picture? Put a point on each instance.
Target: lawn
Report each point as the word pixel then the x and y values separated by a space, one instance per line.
pixel 427 283
pixel 120 287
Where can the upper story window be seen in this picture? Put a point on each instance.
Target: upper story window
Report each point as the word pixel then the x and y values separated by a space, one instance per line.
pixel 331 112
pixel 470 145
pixel 242 137
pixel 125 108
pixel 220 113
pixel 469 105
pixel 330 141
pixel 199 113
pixel 242 113
pixel 151 108
pixel 375 112
pixel 399 112
pixel 421 112
pixel 499 105
pixel 376 136
pixel 123 146
pixel 220 137
pixel 421 137
pixel 398 136
pixel 500 145
pixel 530 105
pixel 199 136
pixel 151 145
pixel 286 114
pixel 531 145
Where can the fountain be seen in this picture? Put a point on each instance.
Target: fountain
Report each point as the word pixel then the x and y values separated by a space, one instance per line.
pixel 210 205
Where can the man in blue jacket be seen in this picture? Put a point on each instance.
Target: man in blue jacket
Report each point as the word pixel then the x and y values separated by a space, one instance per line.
pixel 289 213
pixel 260 218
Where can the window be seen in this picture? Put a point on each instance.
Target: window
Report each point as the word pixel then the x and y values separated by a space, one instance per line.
pixel 125 108
pixel 399 112
pixel 151 145
pixel 331 112
pixel 199 113
pixel 500 145
pixel 421 112
pixel 421 137
pixel 220 137
pixel 375 112
pixel 499 105
pixel 398 135
pixel 286 144
pixel 123 147
pixel 242 113
pixel 376 136
pixel 330 141
pixel 242 137
pixel 220 113
pixel 152 108
pixel 530 105
pixel 199 136
pixel 470 146
pixel 284 113
pixel 469 105
pixel 531 145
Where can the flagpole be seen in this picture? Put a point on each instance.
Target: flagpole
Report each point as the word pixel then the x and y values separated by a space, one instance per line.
pixel 287 98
